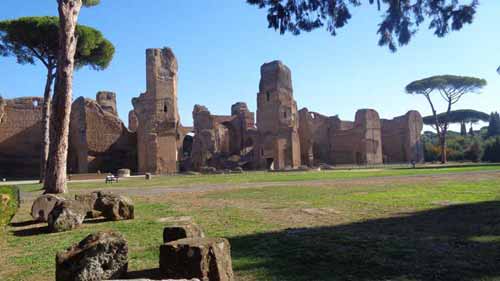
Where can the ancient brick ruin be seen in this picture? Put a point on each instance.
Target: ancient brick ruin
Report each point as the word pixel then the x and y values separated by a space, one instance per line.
pixel 20 136
pixel 99 141
pixel 156 142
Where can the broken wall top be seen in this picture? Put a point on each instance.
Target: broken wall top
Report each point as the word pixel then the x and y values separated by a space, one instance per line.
pixel 275 76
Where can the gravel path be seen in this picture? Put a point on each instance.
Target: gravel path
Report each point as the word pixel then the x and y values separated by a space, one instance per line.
pixel 407 179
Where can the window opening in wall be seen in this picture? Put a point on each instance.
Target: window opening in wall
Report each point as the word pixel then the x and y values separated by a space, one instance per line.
pixel 165 108
pixel 268 96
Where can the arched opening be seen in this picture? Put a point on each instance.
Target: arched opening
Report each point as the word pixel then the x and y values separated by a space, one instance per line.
pixel 185 163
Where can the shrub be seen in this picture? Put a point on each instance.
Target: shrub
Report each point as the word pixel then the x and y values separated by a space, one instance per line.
pixel 474 152
pixel 492 150
pixel 9 202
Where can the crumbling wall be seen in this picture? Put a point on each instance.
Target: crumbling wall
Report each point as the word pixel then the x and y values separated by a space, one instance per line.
pixel 359 142
pixel 99 141
pixel 107 101
pixel 315 142
pixel 159 134
pixel 277 119
pixel 401 141
pixel 20 137
pixel 219 138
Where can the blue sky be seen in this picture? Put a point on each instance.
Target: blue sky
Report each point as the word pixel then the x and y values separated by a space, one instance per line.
pixel 221 44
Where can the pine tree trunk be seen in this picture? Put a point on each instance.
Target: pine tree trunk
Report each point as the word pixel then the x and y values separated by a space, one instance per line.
pixel 47 100
pixel 55 175
pixel 444 158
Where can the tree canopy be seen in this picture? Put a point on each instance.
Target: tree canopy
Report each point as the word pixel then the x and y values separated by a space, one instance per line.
pixel 459 116
pixel 455 85
pixel 401 19
pixel 494 127
pixel 31 38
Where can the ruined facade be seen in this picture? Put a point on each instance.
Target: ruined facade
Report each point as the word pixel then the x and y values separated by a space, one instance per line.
pixel 401 138
pixel 277 119
pixel 366 141
pixel 155 141
pixel 99 141
pixel 159 132
pixel 20 137
pixel 223 141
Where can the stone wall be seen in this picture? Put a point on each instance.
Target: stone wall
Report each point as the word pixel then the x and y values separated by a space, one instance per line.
pixel 329 140
pixel 401 141
pixel 315 137
pixel 99 141
pixel 277 119
pixel 20 137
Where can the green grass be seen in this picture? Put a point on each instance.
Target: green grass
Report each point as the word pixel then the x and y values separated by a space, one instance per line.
pixel 447 229
pixel 8 208
pixel 268 177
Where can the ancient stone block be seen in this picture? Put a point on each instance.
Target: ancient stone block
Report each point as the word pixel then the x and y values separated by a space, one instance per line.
pixel 123 173
pixel 114 207
pixel 202 258
pixel 180 231
pixel 100 256
pixel 66 215
pixel 43 205
pixel 88 201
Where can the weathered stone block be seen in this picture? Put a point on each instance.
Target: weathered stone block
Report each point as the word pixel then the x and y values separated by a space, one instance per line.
pixel 123 173
pixel 66 215
pixel 202 258
pixel 43 205
pixel 115 207
pixel 100 256
pixel 182 230
pixel 88 201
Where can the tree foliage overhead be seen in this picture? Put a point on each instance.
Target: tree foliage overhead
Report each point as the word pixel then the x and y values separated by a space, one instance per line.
pixel 459 116
pixel 401 18
pixel 31 38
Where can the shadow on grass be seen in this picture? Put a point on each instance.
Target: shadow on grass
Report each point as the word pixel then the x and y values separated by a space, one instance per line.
pixel 23 223
pixel 448 166
pixel 31 231
pixel 460 242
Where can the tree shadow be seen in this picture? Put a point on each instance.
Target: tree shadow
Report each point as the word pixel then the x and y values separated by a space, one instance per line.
pixel 460 242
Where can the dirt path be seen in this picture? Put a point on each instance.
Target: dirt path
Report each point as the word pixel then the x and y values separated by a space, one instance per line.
pixel 407 179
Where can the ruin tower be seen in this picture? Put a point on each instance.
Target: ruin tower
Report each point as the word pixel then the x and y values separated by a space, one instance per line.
pixel 277 118
pixel 158 128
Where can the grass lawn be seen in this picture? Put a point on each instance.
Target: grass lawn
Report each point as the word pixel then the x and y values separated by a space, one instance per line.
pixel 260 177
pixel 444 229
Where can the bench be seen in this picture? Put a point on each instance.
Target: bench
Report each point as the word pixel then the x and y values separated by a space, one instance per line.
pixel 111 179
